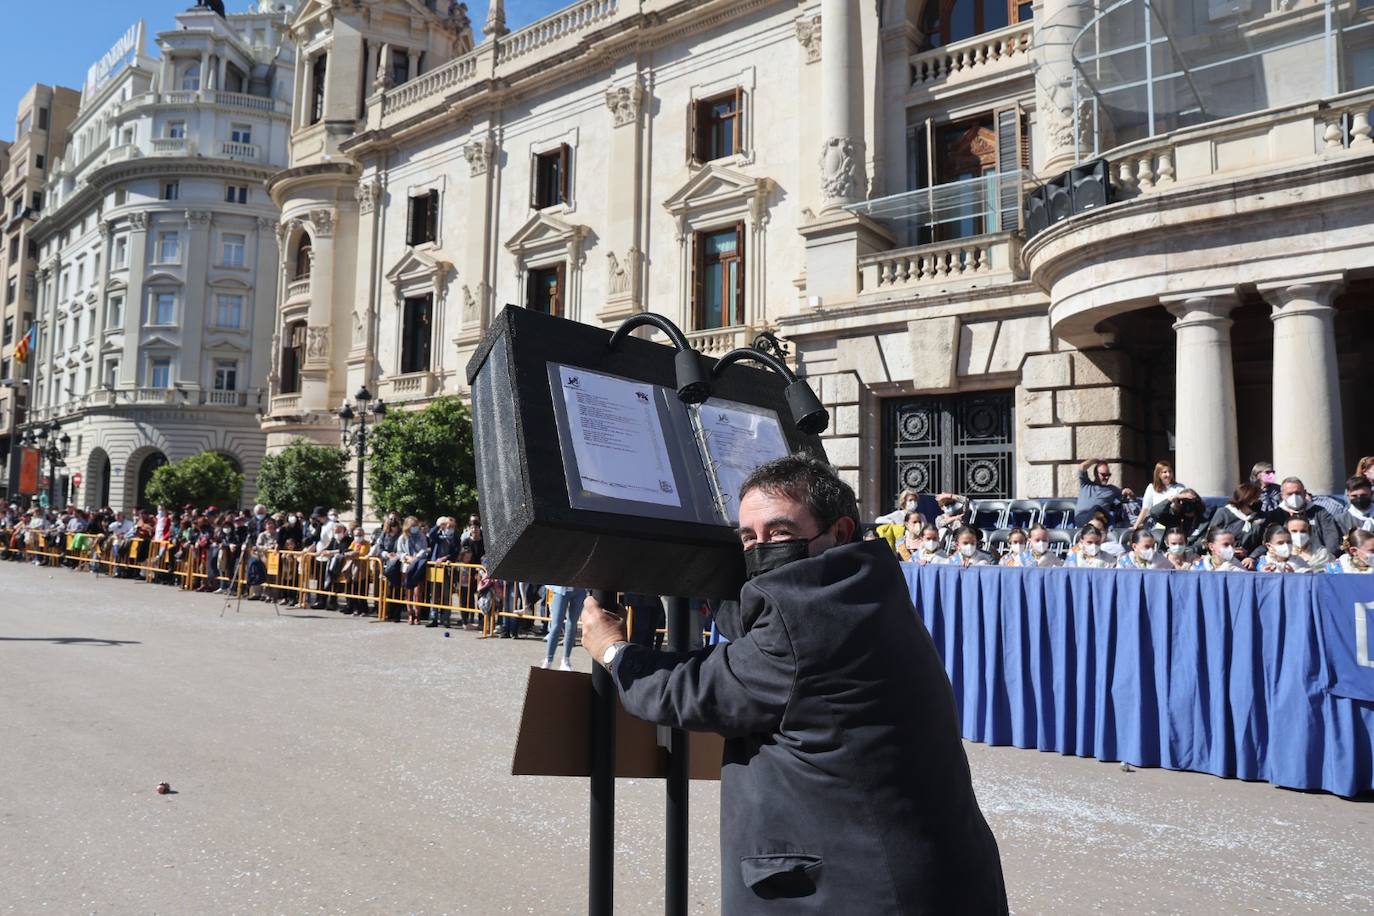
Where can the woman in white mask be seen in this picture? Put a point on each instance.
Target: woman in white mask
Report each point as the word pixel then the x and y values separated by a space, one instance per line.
pixel 1359 554
pixel 1221 553
pixel 912 538
pixel 927 551
pixel 1088 552
pixel 907 501
pixel 1038 542
pixel 1300 533
pixel 1018 549
pixel 1278 553
pixel 1144 552
pixel 966 552
pixel 1176 551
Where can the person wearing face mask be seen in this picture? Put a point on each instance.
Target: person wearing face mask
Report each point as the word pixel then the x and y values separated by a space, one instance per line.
pixel 1263 476
pixel 1144 552
pixel 1162 486
pixel 913 538
pixel 1304 548
pixel 966 552
pixel 1176 551
pixel 1088 552
pixel 833 700
pixel 1185 511
pixel 1040 554
pixel 1220 555
pixel 1359 554
pixel 1018 548
pixel 1241 517
pixel 1278 554
pixel 1297 503
pixel 908 501
pixel 386 546
pixel 929 549
pixel 413 548
pixel 1358 515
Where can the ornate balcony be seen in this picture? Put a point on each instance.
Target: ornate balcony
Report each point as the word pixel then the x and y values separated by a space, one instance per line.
pixel 244 152
pixel 412 386
pixel 969 262
pixel 992 54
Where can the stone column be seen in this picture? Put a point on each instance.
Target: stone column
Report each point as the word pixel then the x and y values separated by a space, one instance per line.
pixel 1206 451
pixel 204 82
pixel 624 202
pixel 413 63
pixel 1308 439
pixel 843 151
pixel 1057 23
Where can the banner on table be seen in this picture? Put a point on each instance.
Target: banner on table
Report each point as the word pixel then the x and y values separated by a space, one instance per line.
pixel 1345 611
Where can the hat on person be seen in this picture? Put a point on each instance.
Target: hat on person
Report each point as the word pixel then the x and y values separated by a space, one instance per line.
pixel 318 512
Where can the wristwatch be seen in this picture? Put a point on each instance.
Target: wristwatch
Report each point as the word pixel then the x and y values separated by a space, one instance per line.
pixel 611 652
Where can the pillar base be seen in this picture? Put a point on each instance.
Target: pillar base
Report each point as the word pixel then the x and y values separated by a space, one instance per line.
pixel 834 243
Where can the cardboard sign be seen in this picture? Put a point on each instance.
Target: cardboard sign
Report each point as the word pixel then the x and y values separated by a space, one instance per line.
pixel 554 739
pixel 591 472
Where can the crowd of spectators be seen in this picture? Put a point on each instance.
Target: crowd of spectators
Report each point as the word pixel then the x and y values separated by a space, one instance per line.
pixel 1267 525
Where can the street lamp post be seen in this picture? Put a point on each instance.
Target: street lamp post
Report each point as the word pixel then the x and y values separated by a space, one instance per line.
pixel 354 438
pixel 52 448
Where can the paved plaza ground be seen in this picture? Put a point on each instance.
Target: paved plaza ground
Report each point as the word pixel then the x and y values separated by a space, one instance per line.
pixel 337 765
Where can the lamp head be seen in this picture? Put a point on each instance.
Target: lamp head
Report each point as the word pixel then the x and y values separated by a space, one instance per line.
pixel 363 395
pixel 346 413
pixel 809 415
pixel 379 409
pixel 693 384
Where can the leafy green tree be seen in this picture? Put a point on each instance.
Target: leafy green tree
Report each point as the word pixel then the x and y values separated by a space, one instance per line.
pixel 207 479
pixel 421 461
pixel 305 475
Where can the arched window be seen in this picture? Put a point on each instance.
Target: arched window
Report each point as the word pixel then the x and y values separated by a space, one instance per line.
pixel 303 258
pixel 190 77
pixel 946 21
pixel 145 474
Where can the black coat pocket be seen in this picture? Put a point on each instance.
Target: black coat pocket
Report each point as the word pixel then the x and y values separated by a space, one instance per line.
pixel 781 876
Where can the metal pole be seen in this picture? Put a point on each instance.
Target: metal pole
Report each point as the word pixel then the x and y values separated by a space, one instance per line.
pixel 601 835
pixel 362 451
pixel 675 858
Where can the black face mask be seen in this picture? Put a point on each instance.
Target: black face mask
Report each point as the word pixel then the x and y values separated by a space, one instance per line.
pixel 764 558
pixel 1361 502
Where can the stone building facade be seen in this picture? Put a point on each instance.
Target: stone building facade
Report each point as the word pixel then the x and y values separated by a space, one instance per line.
pixel 852 177
pixel 158 256
pixel 40 126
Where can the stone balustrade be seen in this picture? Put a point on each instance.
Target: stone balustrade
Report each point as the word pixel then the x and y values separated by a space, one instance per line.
pixel 717 342
pixel 170 146
pixel 451 75
pixel 974 57
pixel 409 387
pixel 552 28
pixel 286 403
pixel 156 396
pixel 244 152
pixel 940 264
pixel 298 288
pixel 244 100
pixel 1347 124
pixel 224 398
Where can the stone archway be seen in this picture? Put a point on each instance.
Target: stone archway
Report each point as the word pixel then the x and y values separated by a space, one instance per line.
pixel 95 482
pixel 142 464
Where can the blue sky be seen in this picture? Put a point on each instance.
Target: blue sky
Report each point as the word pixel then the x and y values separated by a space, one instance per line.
pixel 62 40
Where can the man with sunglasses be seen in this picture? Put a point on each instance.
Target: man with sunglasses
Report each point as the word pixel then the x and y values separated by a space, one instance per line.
pixel 844 785
pixel 1097 492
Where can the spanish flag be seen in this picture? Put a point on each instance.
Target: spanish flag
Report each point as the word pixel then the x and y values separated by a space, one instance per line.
pixel 21 349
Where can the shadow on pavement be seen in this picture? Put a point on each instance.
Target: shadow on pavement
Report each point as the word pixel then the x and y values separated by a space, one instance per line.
pixel 72 640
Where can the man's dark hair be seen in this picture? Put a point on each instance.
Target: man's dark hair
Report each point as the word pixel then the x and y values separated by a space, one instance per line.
pixel 1358 482
pixel 809 481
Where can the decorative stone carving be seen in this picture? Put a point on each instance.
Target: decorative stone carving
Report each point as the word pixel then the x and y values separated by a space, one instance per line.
pixel 469 314
pixel 138 220
pixel 369 193
pixel 267 224
pixel 104 228
pixel 197 217
pixel 496 19
pixel 625 102
pixel 317 342
pixel 837 168
pixel 478 154
pixel 322 222
pixel 621 275
pixel 809 34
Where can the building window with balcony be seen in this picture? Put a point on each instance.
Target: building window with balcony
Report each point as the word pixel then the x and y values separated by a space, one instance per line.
pixel 226 375
pixel 9 331
pixel 400 66
pixel 190 77
pixel 422 219
pixel 318 71
pixel 717 124
pixel 160 372
pixel 176 130
pixel 416 324
pixel 22 128
pixel 162 308
pixel 168 247
pixel 552 171
pixel 36 200
pixel 11 290
pixel 114 313
pixel 303 259
pixel 40 162
pixel 292 358
pixel 718 278
pixel 232 247
pixel 14 249
pixel 228 310
pixel 240 133
pixel 111 373
pixel 972 169
pixel 946 21
pixel 236 194
pixel 120 255
pixel 171 190
pixel 546 288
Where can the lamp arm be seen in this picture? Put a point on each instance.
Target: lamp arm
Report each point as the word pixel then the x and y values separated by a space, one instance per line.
pixel 663 324
pixel 753 355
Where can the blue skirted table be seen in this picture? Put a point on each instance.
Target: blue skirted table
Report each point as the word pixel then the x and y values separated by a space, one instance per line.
pixel 1263 677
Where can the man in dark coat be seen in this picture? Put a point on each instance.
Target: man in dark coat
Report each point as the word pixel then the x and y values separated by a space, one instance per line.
pixel 844 786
